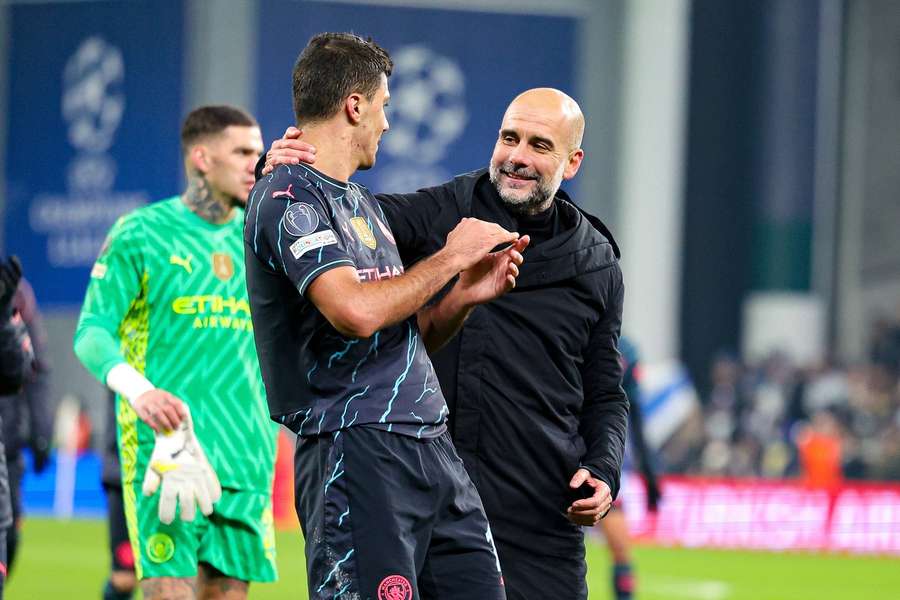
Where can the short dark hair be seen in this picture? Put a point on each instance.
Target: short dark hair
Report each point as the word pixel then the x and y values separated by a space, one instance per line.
pixel 210 120
pixel 330 68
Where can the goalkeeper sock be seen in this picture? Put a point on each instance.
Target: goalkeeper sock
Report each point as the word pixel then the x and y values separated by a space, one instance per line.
pixel 111 593
pixel 623 581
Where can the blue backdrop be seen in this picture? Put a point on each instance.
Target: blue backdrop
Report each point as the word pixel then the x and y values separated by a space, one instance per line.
pixel 455 72
pixel 94 110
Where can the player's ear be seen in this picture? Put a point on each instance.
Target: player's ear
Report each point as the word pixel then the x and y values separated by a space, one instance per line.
pixel 353 107
pixel 198 157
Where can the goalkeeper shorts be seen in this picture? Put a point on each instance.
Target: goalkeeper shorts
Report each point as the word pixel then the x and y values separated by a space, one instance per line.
pixel 238 538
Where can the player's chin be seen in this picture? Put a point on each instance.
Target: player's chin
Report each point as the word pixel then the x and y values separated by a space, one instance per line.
pixel 367 164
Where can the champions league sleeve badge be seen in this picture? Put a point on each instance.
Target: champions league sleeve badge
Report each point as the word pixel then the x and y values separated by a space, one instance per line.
pixel 300 219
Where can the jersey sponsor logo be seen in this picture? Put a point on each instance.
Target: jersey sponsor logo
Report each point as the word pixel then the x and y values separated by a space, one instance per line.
pixel 395 587
pixel 223 267
pixel 364 232
pixel 379 273
pixel 284 193
pixel 311 242
pixel 214 304
pixel 184 263
pixel 215 312
pixel 160 548
pixel 98 271
pixel 300 219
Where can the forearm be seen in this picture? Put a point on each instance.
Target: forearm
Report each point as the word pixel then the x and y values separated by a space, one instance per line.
pixel 381 304
pixel 439 322
pixel 97 348
pixel 603 428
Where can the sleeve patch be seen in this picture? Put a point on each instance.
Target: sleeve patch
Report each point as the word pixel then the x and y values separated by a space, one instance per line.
pixel 300 219
pixel 311 242
pixel 99 271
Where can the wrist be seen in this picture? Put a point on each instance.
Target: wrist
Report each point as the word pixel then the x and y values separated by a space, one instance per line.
pixel 449 259
pixel 126 381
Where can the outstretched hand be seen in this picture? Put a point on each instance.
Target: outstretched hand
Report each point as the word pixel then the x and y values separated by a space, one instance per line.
pixel 289 150
pixel 472 240
pixel 493 275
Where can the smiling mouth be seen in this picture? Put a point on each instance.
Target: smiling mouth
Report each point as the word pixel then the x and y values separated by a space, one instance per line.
pixel 515 177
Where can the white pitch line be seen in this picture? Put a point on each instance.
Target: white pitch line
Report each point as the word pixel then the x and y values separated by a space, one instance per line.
pixel 695 589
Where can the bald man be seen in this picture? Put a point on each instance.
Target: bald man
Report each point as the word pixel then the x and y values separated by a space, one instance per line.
pixel 532 380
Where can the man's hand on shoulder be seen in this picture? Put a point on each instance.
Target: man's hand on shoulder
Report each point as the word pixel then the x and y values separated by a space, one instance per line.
pixel 588 511
pixel 289 150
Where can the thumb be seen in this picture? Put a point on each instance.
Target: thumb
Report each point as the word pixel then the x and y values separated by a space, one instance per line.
pixel 292 132
pixel 151 482
pixel 578 479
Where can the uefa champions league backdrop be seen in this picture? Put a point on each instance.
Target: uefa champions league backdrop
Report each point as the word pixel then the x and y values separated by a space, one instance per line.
pixel 454 73
pixel 93 120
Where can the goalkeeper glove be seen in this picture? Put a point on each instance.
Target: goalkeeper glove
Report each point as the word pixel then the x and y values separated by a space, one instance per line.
pixel 179 463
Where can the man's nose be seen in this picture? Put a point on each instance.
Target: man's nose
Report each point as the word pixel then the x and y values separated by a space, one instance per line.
pixel 519 155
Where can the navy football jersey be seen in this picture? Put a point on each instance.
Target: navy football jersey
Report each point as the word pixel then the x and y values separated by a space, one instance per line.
pixel 299 224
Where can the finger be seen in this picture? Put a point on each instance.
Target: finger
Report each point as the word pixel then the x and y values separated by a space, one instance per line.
pixel 586 505
pixel 578 479
pixel 151 482
pixel 167 503
pixel 188 504
pixel 522 242
pixel 168 418
pixel 204 501
pixel 515 257
pixel 512 269
pixel 148 417
pixel 292 132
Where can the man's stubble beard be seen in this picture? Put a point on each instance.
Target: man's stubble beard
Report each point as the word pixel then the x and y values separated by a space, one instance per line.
pixel 540 197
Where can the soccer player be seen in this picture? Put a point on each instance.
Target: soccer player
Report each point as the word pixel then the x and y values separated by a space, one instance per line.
pixel 614 526
pixel 387 509
pixel 532 380
pixel 166 324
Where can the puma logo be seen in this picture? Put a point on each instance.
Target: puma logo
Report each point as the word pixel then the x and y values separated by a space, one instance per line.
pixel 285 193
pixel 182 262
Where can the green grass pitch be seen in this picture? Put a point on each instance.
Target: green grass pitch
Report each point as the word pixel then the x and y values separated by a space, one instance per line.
pixel 68 560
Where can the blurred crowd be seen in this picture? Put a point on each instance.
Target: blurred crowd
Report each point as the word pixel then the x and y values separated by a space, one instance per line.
pixel 822 424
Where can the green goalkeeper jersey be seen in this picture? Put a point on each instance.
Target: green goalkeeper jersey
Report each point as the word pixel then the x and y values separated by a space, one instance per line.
pixel 168 295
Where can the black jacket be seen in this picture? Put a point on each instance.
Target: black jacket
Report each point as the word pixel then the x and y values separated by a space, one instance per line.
pixel 533 379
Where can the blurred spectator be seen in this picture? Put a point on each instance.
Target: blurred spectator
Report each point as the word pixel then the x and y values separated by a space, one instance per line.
pixel 26 416
pixel 824 423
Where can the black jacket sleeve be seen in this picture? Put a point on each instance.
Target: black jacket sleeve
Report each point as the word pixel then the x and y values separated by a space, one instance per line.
pixel 15 355
pixel 604 413
pixel 37 388
pixel 420 221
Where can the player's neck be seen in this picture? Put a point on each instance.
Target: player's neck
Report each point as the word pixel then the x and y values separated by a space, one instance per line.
pixel 334 150
pixel 205 202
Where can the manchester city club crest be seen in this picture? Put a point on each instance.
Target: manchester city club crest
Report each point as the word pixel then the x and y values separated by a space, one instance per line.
pixel 395 587
pixel 223 266
pixel 364 232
